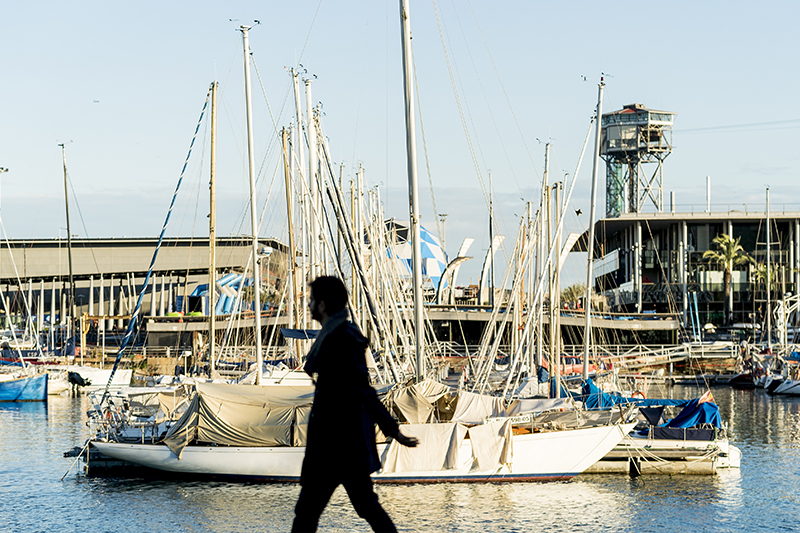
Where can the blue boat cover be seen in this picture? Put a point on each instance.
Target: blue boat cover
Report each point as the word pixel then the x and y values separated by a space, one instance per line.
pixel 699 411
pixel 594 398
pixel 303 334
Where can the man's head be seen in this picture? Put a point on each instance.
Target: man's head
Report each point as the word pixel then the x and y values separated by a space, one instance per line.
pixel 328 295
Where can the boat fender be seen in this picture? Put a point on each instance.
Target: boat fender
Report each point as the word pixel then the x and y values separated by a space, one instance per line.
pixel 639 394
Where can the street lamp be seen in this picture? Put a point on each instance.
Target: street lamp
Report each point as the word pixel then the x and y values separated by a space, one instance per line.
pixel 3 169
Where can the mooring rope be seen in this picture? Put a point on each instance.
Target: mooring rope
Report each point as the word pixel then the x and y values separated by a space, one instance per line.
pixel 129 333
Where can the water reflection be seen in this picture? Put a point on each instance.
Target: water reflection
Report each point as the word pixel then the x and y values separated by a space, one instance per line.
pixel 760 496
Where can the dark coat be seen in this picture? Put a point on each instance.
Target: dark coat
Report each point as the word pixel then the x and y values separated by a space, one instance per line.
pixel 341 429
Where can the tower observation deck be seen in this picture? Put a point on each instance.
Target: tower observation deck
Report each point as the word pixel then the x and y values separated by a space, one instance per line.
pixel 632 137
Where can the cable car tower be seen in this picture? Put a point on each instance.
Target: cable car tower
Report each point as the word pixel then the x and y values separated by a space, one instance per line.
pixel 632 137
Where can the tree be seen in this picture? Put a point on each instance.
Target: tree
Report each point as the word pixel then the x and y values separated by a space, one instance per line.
pixel 729 255
pixel 574 293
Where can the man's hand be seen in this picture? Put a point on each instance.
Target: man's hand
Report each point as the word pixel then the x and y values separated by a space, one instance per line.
pixel 410 442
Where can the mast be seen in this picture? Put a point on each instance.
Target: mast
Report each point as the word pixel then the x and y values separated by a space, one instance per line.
pixel 71 300
pixel 290 217
pixel 587 329
pixel 411 146
pixel 555 293
pixel 491 242
pixel 299 158
pixel 311 131
pixel 212 234
pixel 253 214
pixel 769 285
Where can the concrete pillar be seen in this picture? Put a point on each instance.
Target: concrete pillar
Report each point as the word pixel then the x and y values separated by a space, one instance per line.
pixel 638 265
pixel 63 314
pixel 91 295
pixel 111 307
pixel 29 303
pixel 684 275
pixel 101 324
pixel 121 306
pixel 40 312
pixel 132 294
pixel 161 296
pixel 169 296
pixel 153 299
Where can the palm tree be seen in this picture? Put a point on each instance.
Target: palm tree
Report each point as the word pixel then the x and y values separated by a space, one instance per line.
pixel 729 255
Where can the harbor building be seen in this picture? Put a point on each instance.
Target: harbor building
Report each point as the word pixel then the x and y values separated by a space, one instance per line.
pixel 651 259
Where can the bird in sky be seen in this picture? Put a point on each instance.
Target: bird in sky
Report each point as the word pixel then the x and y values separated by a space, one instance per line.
pixel 96 101
pixel 578 212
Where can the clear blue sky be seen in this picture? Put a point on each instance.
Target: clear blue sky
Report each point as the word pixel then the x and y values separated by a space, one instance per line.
pixel 124 83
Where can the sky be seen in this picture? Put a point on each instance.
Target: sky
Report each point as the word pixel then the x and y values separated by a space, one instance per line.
pixel 122 86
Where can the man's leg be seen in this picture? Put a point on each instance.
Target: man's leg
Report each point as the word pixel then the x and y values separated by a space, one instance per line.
pixel 313 498
pixel 366 504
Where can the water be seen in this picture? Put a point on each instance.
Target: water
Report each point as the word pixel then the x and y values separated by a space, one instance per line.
pixel 762 496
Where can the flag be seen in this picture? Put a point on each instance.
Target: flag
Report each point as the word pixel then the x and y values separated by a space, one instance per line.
pixel 707 397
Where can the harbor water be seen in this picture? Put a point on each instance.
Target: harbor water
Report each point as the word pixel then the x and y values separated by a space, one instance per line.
pixel 761 496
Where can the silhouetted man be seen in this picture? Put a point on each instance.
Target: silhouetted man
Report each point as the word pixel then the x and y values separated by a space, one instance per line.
pixel 341 446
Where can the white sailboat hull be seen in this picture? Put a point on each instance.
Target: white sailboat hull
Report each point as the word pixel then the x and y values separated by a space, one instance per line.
pixel 98 376
pixel 547 456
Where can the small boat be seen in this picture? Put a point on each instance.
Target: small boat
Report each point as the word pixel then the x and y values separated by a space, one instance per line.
pixel 694 442
pixel 743 380
pixel 19 387
pixel 787 387
pixel 94 378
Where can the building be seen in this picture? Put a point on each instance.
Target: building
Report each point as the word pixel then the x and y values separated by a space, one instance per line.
pixel 649 260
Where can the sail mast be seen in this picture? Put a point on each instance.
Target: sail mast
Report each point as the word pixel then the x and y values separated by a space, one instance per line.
pixel 212 234
pixel 411 146
pixel 71 300
pixel 291 276
pixel 253 214
pixel 769 283
pixel 587 330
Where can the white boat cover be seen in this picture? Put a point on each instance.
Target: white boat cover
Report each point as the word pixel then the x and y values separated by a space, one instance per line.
pixel 492 445
pixel 243 415
pixel 415 402
pixel 475 408
pixel 539 405
pixel 437 449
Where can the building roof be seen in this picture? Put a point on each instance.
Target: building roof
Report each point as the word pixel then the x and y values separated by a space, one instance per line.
pixel 656 221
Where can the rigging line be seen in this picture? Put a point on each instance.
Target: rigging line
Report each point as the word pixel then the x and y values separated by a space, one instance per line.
pixel 464 92
pixel 24 299
pixel 83 223
pixel 464 126
pixel 194 218
pixel 309 32
pixel 737 126
pixel 361 82
pixel 266 100
pixel 261 218
pixel 439 225
pixel 132 322
pixel 386 118
pixel 508 100
pixel 489 107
